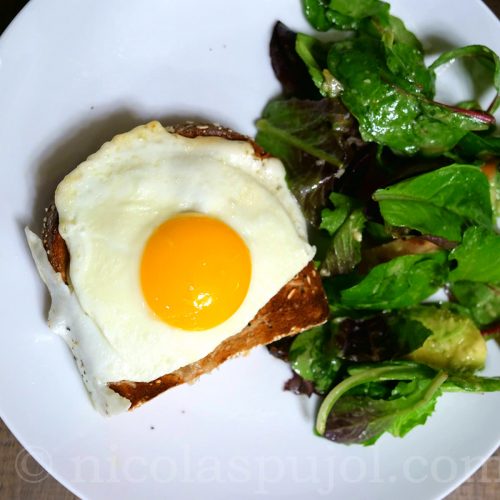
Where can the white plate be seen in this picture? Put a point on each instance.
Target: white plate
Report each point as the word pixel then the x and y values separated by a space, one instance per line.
pixel 72 74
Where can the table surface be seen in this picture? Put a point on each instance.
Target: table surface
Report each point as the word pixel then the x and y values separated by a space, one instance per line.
pixel 484 484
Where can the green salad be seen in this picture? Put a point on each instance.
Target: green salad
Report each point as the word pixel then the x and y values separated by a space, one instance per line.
pixel 402 195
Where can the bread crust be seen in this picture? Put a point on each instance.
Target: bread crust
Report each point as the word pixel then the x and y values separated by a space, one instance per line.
pixel 298 306
pixel 54 244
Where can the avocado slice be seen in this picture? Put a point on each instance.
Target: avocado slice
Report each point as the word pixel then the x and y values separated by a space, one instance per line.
pixel 456 344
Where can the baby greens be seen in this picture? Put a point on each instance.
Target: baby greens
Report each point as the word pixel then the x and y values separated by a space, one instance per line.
pixel 401 194
pixel 385 83
pixel 440 203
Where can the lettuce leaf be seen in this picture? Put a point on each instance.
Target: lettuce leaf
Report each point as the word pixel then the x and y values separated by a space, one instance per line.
pixel 380 337
pixel 402 282
pixel 386 84
pixel 362 420
pixel 439 203
pixel 345 224
pixel 288 66
pixel 481 300
pixel 313 356
pixel 389 397
pixel 478 257
pixel 317 141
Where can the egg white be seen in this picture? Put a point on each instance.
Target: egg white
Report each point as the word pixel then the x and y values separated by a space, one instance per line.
pixel 109 206
pixel 95 358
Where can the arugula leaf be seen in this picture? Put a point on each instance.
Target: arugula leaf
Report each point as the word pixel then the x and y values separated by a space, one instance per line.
pixel 375 103
pixel 391 109
pixel 466 119
pixel 478 257
pixel 404 281
pixel 313 54
pixel 359 9
pixel 378 73
pixel 401 246
pixel 316 13
pixel 480 299
pixel 342 22
pixel 316 140
pixel 407 61
pixel 340 14
pixel 474 145
pixel 394 30
pixel 480 52
pixel 404 54
pixel 344 252
pixel 313 356
pixel 471 383
pixel 403 51
pixel 331 220
pixel 438 203
pixel 456 344
pixel 387 85
pixel 378 232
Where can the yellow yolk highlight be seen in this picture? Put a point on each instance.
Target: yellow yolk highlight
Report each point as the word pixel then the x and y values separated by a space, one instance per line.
pixel 195 271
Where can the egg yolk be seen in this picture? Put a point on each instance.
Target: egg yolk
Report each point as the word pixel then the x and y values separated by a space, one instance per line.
pixel 195 271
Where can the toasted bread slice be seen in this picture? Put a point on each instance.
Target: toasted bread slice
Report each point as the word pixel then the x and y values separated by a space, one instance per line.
pixel 298 306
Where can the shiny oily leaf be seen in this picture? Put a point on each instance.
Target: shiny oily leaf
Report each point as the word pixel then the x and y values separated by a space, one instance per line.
pixel 362 420
pixel 482 300
pixel 344 252
pixel 404 281
pixel 478 257
pixel 438 203
pixel 316 140
pixel 313 356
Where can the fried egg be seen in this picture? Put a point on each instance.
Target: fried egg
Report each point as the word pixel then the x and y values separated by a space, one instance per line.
pixel 175 245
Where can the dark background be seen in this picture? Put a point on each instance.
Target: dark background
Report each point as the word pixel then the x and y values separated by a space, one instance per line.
pixel 483 485
pixel 8 9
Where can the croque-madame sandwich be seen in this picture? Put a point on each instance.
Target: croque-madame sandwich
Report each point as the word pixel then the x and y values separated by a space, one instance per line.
pixel 169 251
